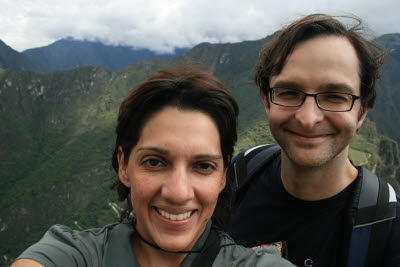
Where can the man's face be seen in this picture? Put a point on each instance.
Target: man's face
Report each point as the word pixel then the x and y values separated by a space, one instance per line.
pixel 308 135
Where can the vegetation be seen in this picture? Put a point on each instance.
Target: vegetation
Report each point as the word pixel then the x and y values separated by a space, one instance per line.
pixel 57 137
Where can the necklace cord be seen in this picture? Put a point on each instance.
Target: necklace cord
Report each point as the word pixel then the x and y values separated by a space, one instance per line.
pixel 157 247
pixel 208 243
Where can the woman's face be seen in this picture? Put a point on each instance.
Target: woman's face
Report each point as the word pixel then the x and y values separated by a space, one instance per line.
pixel 175 174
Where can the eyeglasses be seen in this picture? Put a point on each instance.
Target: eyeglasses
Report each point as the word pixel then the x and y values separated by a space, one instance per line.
pixel 330 101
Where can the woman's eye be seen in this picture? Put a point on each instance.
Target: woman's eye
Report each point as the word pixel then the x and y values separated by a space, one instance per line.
pixel 153 163
pixel 205 167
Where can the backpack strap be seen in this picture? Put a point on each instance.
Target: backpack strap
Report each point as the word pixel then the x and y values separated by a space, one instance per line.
pixel 250 161
pixel 209 251
pixel 371 214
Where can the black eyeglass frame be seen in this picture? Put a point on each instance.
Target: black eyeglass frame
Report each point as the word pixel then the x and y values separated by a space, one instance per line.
pixel 354 98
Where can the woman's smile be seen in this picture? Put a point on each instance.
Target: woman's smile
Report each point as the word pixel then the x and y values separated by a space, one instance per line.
pixel 174 217
pixel 175 174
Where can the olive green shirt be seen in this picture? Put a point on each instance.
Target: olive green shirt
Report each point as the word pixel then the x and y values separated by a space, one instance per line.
pixel 111 246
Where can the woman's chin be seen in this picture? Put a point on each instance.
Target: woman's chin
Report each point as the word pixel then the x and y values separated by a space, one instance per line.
pixel 176 244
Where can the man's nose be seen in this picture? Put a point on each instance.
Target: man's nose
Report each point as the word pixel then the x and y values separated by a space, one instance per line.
pixel 309 114
pixel 178 187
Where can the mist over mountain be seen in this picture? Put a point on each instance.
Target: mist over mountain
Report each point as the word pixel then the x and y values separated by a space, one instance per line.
pixel 11 59
pixel 57 136
pixel 69 53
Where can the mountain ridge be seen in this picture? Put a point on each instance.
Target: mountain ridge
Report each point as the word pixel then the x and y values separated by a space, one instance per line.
pixel 70 53
pixel 11 59
pixel 388 96
pixel 57 134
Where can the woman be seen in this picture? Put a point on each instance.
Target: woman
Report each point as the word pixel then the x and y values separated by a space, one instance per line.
pixel 175 138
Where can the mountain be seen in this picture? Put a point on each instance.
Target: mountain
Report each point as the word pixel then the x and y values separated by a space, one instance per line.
pixel 233 64
pixel 11 59
pixel 376 145
pixel 57 135
pixel 69 53
pixel 387 111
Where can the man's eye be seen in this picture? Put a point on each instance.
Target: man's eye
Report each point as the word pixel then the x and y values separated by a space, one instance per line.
pixel 340 98
pixel 153 163
pixel 287 93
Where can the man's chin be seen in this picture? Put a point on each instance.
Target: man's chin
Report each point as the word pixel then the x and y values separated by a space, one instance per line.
pixel 307 157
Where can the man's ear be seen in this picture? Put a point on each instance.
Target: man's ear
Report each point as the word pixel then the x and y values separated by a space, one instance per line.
pixel 122 168
pixel 264 99
pixel 362 117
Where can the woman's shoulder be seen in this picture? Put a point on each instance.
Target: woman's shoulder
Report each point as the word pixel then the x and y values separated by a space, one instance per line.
pixel 64 230
pixel 59 230
pixel 61 245
pixel 236 255
pixel 94 237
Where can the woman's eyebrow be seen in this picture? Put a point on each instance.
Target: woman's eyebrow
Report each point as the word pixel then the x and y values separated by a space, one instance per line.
pixel 207 156
pixel 166 152
pixel 155 149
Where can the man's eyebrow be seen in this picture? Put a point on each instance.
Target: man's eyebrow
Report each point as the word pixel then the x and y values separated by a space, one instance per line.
pixel 342 87
pixel 155 149
pixel 287 84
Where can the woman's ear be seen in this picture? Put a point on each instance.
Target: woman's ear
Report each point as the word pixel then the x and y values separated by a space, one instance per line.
pixel 122 168
pixel 223 181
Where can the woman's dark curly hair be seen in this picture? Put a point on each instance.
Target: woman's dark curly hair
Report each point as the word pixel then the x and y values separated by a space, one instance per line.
pixel 186 88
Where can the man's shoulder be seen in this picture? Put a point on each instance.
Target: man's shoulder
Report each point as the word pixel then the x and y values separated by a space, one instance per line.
pixel 377 212
pixel 248 163
pixel 250 152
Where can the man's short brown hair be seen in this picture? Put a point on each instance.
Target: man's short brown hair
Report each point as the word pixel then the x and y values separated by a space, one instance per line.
pixel 273 57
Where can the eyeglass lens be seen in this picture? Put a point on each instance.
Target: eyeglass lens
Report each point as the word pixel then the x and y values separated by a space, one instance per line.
pixel 334 101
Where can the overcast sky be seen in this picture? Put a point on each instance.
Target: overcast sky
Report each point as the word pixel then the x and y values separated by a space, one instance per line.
pixel 162 25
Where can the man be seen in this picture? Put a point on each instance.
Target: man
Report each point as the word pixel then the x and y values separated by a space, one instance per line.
pixel 317 82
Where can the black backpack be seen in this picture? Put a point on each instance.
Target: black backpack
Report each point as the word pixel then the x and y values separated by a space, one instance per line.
pixel 370 214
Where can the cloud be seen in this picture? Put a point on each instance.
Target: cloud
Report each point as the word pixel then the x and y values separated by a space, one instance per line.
pixel 162 25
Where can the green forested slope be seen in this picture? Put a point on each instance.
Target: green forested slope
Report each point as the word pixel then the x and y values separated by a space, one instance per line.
pixel 57 137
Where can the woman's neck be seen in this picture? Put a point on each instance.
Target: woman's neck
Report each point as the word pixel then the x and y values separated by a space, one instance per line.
pixel 148 256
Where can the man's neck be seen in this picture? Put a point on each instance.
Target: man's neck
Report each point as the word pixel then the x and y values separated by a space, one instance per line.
pixel 316 183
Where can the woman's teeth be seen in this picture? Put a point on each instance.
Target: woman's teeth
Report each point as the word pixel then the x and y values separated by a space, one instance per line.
pixel 175 217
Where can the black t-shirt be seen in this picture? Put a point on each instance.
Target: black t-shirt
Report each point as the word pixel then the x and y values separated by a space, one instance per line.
pixel 312 230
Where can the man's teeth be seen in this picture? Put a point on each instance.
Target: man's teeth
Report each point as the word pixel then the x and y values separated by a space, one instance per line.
pixel 175 217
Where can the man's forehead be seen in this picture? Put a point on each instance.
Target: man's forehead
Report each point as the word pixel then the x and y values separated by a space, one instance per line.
pixel 326 61
pixel 330 86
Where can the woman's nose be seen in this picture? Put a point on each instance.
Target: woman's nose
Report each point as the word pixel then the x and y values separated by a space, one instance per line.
pixel 178 186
